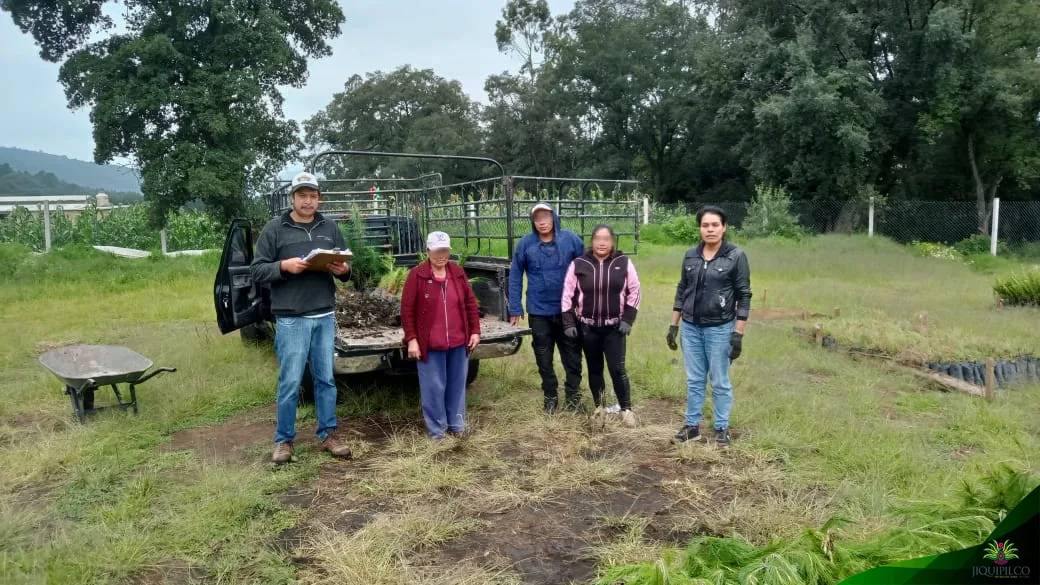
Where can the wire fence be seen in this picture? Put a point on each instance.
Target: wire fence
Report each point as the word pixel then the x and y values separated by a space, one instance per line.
pixel 905 221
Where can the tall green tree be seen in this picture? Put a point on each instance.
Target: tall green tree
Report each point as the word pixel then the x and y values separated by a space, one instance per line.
pixel 625 66
pixel 526 122
pixel 405 110
pixel 187 90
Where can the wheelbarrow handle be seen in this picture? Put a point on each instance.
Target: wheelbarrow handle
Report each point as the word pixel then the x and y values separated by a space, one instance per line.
pixel 153 373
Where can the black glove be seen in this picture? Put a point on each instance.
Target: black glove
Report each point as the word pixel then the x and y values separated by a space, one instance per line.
pixel 736 342
pixel 571 332
pixel 624 328
pixel 673 330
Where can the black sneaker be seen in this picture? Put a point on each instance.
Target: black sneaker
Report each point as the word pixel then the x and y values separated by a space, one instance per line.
pixel 688 433
pixel 722 438
pixel 551 405
pixel 575 405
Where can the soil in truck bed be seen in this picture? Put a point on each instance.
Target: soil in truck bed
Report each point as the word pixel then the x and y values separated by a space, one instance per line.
pixel 373 319
pixel 367 310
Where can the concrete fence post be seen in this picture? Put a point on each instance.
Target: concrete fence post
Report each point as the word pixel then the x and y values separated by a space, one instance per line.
pixel 870 219
pixel 995 225
pixel 47 225
pixel 646 210
pixel 162 240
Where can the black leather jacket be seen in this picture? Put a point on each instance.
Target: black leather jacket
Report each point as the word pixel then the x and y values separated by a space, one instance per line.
pixel 717 291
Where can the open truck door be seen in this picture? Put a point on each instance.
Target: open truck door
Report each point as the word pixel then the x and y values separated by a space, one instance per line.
pixel 238 302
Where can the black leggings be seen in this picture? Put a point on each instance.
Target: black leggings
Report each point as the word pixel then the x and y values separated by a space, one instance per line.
pixel 606 342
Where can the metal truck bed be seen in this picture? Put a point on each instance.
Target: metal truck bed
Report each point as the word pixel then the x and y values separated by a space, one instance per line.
pixel 380 348
pixel 383 338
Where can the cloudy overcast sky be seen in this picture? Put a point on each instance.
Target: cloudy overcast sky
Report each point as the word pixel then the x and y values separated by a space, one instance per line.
pixel 455 38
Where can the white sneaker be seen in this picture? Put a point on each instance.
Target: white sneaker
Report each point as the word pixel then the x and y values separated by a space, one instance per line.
pixel 613 409
pixel 598 419
pixel 628 418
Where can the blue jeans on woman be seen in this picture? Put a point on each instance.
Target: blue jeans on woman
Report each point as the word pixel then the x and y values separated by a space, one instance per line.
pixel 442 386
pixel 298 340
pixel 706 352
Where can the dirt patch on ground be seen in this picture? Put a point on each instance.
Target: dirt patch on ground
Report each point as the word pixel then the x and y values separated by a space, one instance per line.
pixel 243 438
pixel 545 537
pixel 542 525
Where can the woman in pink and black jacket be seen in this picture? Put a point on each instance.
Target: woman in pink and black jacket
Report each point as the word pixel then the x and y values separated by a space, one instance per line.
pixel 600 302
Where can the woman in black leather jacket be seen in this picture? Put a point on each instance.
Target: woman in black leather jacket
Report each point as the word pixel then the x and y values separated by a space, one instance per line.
pixel 712 301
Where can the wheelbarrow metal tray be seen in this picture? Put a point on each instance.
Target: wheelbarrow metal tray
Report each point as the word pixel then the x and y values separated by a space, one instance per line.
pixel 75 365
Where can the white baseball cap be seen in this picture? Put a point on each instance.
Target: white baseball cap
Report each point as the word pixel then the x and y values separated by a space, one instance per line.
pixel 304 180
pixel 438 241
pixel 539 206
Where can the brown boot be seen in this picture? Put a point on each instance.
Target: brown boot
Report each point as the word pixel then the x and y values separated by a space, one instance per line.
pixel 283 453
pixel 335 447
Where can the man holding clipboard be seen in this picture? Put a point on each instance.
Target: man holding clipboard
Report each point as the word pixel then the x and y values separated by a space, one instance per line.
pixel 303 300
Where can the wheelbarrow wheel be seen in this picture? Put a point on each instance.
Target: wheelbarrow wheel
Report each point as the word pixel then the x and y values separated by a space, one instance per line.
pixel 472 371
pixel 257 333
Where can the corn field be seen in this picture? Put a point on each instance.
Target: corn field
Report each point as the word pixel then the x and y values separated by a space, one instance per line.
pixel 125 227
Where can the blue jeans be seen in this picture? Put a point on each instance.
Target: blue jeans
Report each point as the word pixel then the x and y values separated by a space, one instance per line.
pixel 298 340
pixel 706 351
pixel 442 385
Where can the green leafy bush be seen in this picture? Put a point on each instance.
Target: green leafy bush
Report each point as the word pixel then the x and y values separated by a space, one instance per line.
pixel 1029 252
pixel 979 244
pixel 935 250
pixel 769 214
pixel 368 266
pixel 1020 289
pixel 652 233
pixel 683 229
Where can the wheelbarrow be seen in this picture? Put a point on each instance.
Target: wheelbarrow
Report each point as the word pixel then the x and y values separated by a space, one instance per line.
pixel 85 368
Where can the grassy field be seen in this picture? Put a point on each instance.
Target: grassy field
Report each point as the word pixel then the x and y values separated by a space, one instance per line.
pixel 183 493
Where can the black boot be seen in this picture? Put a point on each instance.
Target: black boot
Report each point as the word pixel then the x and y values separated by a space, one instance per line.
pixel 574 404
pixel 551 404
pixel 688 433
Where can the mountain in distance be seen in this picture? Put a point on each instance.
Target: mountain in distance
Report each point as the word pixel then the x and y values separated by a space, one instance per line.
pixel 90 176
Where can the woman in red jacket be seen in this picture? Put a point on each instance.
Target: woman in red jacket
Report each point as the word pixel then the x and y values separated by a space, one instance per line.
pixel 441 327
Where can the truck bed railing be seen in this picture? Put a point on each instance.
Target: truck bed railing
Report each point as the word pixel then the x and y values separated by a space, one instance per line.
pixel 486 216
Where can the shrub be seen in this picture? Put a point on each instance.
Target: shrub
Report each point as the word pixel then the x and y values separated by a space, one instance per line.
pixel 1020 289
pixel 979 244
pixel 1029 252
pixel 769 214
pixel 654 234
pixel 934 250
pixel 368 265
pixel 683 229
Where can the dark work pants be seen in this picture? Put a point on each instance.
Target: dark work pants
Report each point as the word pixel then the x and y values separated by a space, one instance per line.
pixel 547 333
pixel 606 342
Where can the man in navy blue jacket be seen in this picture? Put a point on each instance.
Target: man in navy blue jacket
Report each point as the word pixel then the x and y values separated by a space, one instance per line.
pixel 545 254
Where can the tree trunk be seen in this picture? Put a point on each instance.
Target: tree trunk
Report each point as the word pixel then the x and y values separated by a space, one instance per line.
pixel 981 208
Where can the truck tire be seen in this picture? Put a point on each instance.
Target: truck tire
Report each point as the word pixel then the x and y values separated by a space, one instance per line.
pixel 471 373
pixel 257 333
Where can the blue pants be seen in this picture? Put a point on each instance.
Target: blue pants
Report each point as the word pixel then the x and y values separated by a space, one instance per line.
pixel 706 351
pixel 442 384
pixel 298 340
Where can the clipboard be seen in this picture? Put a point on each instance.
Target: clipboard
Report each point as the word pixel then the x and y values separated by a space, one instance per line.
pixel 320 258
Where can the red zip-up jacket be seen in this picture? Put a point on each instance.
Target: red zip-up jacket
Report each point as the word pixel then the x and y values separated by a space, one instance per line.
pixel 421 304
